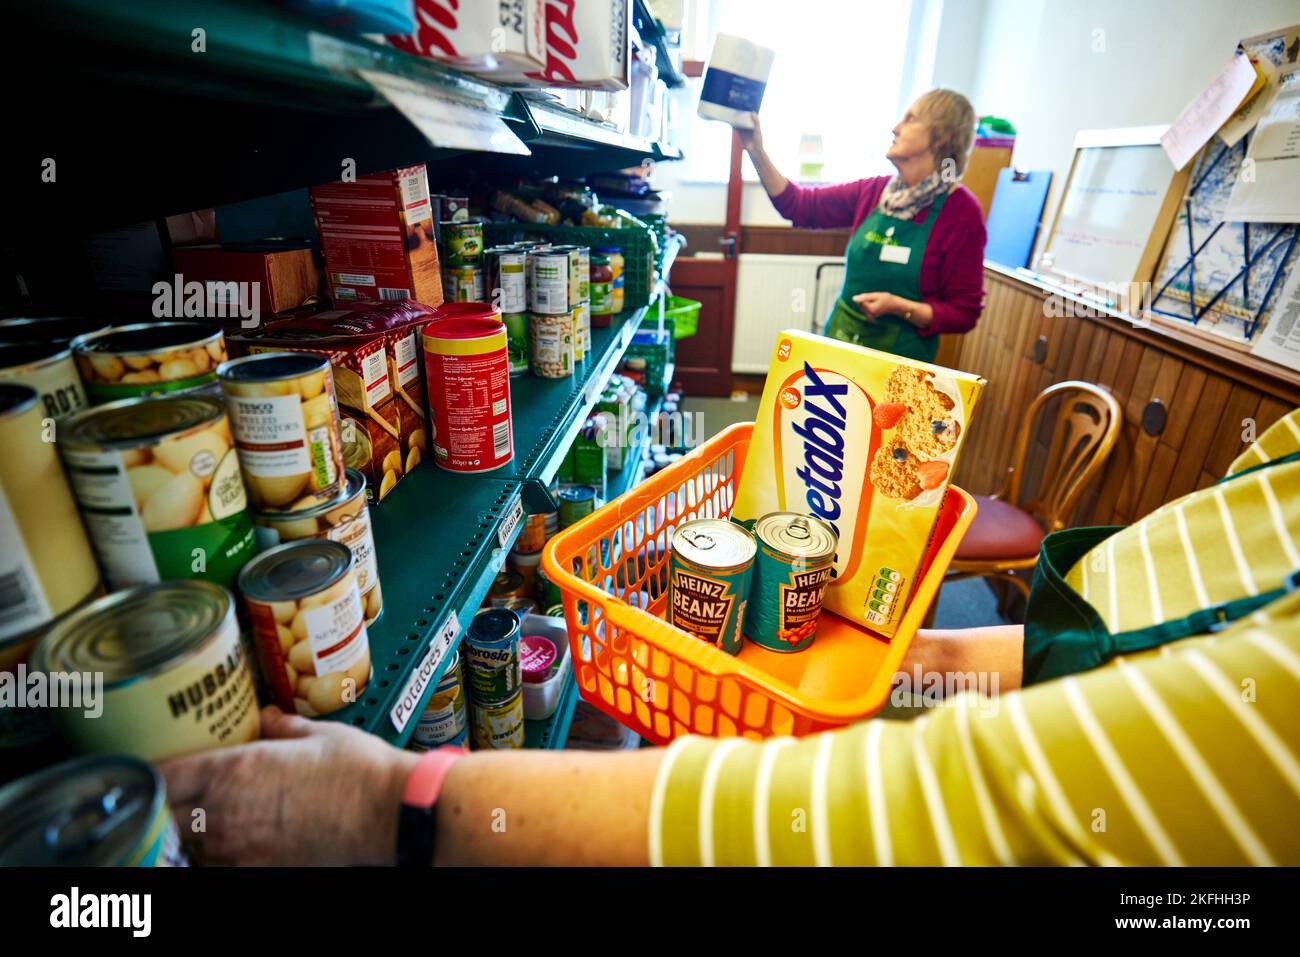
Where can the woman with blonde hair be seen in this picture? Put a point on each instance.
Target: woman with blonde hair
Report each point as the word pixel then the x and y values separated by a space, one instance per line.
pixel 914 265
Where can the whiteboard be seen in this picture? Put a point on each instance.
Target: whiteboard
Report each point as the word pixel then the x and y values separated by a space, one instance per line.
pixel 1114 214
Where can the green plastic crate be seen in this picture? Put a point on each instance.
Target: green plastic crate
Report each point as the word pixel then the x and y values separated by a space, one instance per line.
pixel 637 246
pixel 684 315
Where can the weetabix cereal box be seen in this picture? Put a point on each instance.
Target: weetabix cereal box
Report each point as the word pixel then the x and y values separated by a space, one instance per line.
pixel 867 442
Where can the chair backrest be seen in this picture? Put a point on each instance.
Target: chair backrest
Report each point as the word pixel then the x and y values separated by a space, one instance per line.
pixel 1087 425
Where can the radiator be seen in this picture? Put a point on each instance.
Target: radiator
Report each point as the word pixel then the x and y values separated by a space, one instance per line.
pixel 775 293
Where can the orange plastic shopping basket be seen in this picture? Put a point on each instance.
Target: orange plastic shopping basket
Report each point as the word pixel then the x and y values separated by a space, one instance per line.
pixel 612 571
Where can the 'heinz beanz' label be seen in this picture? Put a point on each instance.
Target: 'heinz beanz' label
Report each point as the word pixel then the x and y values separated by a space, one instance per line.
pixel 712 565
pixel 866 442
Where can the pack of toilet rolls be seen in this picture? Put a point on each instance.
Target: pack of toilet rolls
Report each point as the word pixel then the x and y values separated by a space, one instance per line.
pixel 735 80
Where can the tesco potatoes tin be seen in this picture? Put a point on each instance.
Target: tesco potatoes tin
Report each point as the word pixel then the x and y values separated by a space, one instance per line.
pixel 467 368
pixel 712 562
pixel 174 677
pixel 443 721
pixel 158 484
pixel 308 625
pixel 791 571
pixel 148 358
pixel 48 368
pixel 343 517
pixel 285 419
pixel 104 811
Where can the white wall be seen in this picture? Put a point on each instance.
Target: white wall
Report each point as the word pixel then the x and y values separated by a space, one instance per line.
pixel 1054 67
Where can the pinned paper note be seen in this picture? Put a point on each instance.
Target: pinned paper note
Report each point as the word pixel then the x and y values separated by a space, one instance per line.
pixel 1280 340
pixel 1201 118
pixel 444 119
pixel 1268 189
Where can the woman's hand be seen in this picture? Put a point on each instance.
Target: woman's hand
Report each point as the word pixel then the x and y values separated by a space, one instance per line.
pixel 877 304
pixel 752 140
pixel 308 793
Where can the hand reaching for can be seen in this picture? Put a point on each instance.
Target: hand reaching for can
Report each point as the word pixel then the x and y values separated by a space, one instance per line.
pixel 308 793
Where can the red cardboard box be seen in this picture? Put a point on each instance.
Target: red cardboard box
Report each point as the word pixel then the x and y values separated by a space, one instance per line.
pixel 378 237
pixel 286 274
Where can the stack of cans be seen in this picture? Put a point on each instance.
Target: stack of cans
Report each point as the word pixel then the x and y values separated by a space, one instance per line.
pixel 559 290
pixel 506 272
pixel 462 260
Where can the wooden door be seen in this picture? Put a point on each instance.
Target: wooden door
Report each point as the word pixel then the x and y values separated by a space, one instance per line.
pixel 704 360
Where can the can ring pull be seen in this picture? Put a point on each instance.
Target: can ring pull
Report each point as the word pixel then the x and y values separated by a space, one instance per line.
pixel 701 540
pixel 799 528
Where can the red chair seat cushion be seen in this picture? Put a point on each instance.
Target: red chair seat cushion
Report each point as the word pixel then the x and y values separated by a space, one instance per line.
pixel 1000 530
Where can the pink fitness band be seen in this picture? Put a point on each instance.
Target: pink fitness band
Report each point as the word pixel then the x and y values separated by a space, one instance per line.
pixel 415 824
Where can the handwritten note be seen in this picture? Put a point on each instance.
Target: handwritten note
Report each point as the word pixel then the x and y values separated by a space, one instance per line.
pixel 1201 118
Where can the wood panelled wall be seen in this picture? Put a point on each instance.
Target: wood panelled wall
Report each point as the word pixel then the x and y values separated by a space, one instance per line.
pixel 1207 396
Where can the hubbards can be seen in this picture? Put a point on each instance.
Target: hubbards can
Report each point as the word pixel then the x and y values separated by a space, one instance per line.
pixel 107 811
pixel 795 554
pixel 711 565
pixel 505 269
pixel 159 488
pixel 498 726
pixel 443 721
pixel 492 668
pixel 550 290
pixel 148 358
pixel 174 676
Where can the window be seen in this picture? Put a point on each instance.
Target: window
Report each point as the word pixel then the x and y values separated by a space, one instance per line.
pixel 836 81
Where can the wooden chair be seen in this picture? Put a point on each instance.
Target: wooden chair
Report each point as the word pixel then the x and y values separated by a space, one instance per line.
pixel 1006 534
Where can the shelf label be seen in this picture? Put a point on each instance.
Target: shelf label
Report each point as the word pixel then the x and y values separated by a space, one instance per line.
pixel 514 515
pixel 445 120
pixel 408 703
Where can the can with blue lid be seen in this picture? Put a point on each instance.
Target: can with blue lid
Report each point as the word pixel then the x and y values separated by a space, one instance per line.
pixel 492 670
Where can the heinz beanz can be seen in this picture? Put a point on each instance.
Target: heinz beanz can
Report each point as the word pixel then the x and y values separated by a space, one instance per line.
pixel 711 567
pixel 108 811
pixel 791 571
pixel 492 669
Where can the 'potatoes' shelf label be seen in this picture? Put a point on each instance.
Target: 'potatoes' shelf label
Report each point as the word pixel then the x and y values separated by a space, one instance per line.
pixel 408 702
pixel 514 515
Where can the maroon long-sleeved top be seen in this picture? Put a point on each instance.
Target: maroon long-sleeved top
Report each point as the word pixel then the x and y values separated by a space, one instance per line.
pixel 952 271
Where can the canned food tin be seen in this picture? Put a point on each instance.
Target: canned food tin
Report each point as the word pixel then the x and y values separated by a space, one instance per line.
pixel 48 368
pixel 618 284
pixel 46 564
pixel 492 656
pixel 517 342
pixel 443 721
pixel 344 518
pixel 308 624
pixel 534 532
pixel 793 566
pixel 465 284
pixel 548 592
pixel 175 679
pixel 526 565
pixel 506 585
pixel 126 362
pixel 550 345
pixel 576 503
pixel 464 239
pixel 466 357
pixel 506 269
pixel 285 420
pixel 549 289
pixel 579 271
pixel 555 611
pixel 106 811
pixel 159 489
pixel 579 341
pixel 497 726
pixel 711 566
pixel 52 329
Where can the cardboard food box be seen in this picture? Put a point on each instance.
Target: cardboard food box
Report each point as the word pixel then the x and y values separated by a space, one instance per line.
pixel 987 159
pixel 376 357
pixel 378 238
pixel 588 44
pixel 491 38
pixel 867 442
pixel 286 274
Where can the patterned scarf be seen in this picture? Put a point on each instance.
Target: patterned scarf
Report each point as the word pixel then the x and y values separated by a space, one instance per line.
pixel 903 202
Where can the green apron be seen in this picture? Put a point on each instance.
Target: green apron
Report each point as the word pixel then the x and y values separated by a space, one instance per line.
pixel 903 244
pixel 1064 634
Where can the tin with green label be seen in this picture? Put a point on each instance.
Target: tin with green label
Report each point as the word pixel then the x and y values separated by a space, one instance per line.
pixel 464 242
pixel 517 342
pixel 152 358
pixel 492 670
pixel 159 488
pixel 791 571
pixel 710 569
pixel 576 503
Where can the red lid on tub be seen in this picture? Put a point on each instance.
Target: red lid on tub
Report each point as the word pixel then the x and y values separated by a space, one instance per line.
pixel 464 320
pixel 536 656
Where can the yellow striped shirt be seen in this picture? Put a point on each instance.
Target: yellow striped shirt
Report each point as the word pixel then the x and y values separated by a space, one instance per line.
pixel 1185 757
